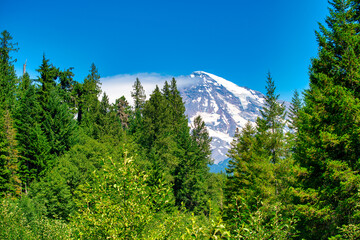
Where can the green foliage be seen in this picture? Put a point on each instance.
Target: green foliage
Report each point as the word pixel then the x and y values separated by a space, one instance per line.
pixel 118 203
pixel 350 231
pixel 260 176
pixel 19 219
pixel 88 103
pixel 266 222
pixel 58 125
pixel 296 105
pixel 10 184
pixel 138 94
pixel 55 191
pixel 244 171
pixel 328 141
pixel 48 76
pixel 33 144
pixel 8 79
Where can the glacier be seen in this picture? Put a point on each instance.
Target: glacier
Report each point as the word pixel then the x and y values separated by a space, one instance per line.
pixel 223 106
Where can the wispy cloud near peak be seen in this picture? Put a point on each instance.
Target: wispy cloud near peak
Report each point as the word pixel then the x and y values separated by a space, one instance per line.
pixel 121 85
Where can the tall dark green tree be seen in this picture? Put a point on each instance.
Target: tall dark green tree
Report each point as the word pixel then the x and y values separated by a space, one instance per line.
pixel 9 157
pixel 271 124
pixel 48 76
pixel 66 84
pixel 295 107
pixel 33 143
pixel 243 168
pixel 138 94
pixel 122 110
pixel 328 149
pixel 8 79
pixel 88 101
pixel 201 137
pixel 59 125
pixel 192 180
pixel 259 167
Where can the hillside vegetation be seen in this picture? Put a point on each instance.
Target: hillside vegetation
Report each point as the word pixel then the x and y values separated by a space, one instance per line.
pixel 74 166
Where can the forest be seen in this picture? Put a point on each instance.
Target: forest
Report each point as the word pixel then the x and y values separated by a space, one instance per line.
pixel 75 166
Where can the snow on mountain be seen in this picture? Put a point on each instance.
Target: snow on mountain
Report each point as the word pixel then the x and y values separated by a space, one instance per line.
pixel 223 106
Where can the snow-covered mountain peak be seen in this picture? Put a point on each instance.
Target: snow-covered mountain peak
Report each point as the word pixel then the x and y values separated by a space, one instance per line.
pixel 243 93
pixel 223 106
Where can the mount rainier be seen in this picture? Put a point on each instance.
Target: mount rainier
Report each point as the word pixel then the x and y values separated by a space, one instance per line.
pixel 223 106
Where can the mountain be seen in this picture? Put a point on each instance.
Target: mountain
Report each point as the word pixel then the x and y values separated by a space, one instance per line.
pixel 223 106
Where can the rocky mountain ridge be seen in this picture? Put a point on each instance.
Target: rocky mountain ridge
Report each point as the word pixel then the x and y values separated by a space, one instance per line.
pixel 223 105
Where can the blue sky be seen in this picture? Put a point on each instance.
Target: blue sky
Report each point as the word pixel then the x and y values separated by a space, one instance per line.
pixel 235 39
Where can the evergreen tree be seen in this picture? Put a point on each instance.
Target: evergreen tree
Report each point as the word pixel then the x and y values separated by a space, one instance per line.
pixel 88 102
pixel 271 124
pixel 25 82
pixel 328 148
pixel 153 109
pixel 259 167
pixel 242 168
pixel 33 144
pixel 59 126
pixel 122 111
pixel 177 108
pixel 200 136
pixel 295 107
pixel 8 79
pixel 192 180
pixel 138 94
pixel 9 157
pixel 48 76
pixel 66 85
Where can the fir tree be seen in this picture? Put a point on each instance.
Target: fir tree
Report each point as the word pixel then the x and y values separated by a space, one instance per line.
pixel 295 107
pixel 200 136
pixel 8 79
pixel 9 157
pixel 122 111
pixel 48 76
pixel 271 124
pixel 328 148
pixel 138 94
pixel 58 126
pixel 192 175
pixel 88 102
pixel 242 167
pixel 33 144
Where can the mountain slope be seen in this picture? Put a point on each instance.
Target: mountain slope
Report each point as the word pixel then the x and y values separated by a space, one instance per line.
pixel 223 105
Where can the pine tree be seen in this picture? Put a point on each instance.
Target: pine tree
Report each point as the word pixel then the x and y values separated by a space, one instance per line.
pixel 242 167
pixel 138 94
pixel 259 173
pixel 59 126
pixel 295 107
pixel 33 145
pixel 192 175
pixel 122 111
pixel 88 102
pixel 9 157
pixel 48 76
pixel 200 136
pixel 271 124
pixel 25 82
pixel 328 146
pixel 8 79
pixel 66 85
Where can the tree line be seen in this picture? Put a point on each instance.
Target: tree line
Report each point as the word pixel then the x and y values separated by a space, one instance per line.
pixel 75 166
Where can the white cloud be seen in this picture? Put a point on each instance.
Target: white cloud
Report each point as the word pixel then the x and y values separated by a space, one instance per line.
pixel 121 85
